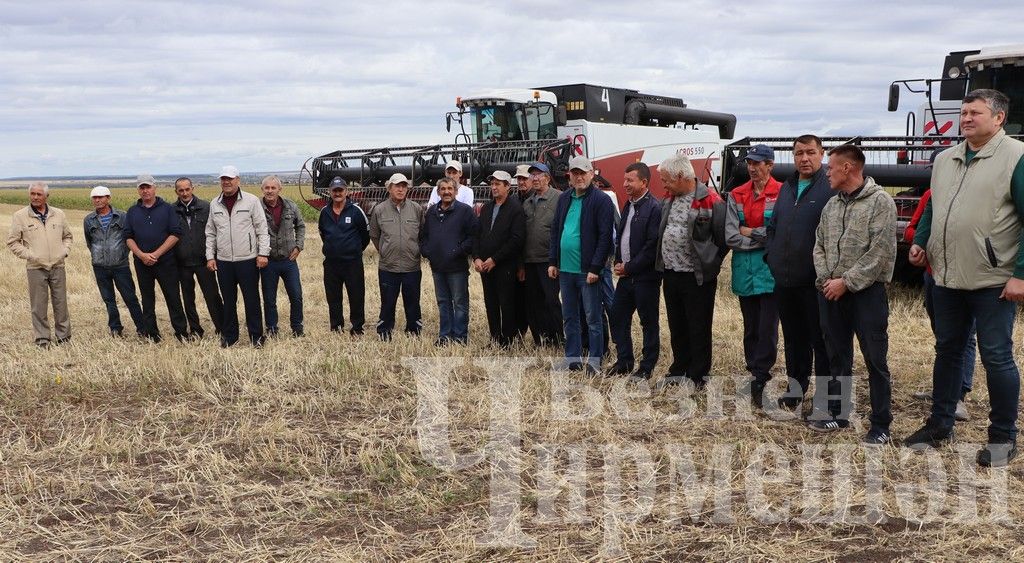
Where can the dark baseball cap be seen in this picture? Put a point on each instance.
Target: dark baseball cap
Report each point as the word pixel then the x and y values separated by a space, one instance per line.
pixel 338 183
pixel 540 166
pixel 760 153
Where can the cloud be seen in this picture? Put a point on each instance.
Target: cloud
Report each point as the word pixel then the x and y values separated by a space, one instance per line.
pixel 118 87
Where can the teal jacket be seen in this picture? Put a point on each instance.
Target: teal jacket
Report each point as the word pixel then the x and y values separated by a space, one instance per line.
pixel 750 273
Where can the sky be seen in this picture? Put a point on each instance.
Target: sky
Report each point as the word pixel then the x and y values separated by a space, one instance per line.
pixel 97 87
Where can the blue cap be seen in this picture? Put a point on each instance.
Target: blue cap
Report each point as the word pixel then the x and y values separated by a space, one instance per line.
pixel 542 167
pixel 760 153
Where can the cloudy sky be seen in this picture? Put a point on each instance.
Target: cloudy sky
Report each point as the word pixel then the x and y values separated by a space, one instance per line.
pixel 103 87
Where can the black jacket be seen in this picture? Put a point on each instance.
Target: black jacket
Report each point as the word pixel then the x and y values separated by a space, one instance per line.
pixel 504 241
pixel 191 247
pixel 597 219
pixel 643 238
pixel 790 246
pixel 346 236
pixel 446 239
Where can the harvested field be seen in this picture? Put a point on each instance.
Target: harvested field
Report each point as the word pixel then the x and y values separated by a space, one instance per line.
pixel 341 448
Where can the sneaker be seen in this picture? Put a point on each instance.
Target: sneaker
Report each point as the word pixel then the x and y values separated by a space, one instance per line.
pixel 876 437
pixel 923 395
pixel 928 436
pixel 961 413
pixel 828 425
pixel 997 454
pixel 619 369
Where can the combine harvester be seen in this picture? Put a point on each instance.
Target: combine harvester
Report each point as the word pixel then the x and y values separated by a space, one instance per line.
pixel 501 129
pixel 901 163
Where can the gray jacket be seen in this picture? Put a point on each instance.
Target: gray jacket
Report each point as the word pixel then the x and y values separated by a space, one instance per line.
pixel 707 232
pixel 292 232
pixel 239 235
pixel 856 238
pixel 396 235
pixel 107 246
pixel 540 213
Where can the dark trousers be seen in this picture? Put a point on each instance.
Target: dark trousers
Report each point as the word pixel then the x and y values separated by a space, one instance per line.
pixel 347 275
pixel 288 272
pixel 165 274
pixel 391 285
pixel 522 308
pixel 954 311
pixel 690 309
pixel 801 329
pixel 760 334
pixel 500 302
pixel 543 309
pixel 642 297
pixel 866 315
pixel 188 276
pixel 121 278
pixel 245 275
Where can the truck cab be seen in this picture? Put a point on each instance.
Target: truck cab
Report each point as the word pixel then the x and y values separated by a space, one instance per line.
pixel 506 115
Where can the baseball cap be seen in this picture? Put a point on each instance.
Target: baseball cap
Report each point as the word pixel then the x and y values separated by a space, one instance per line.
pixel 540 166
pixel 229 172
pixel 523 171
pixel 760 153
pixel 500 175
pixel 580 163
pixel 453 164
pixel 397 178
pixel 338 183
pixel 99 191
pixel 146 179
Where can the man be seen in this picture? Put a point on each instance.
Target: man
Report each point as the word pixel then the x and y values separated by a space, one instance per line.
pixel 970 234
pixel 447 242
pixel 788 252
pixel 345 233
pixel 524 189
pixel 287 233
pixel 190 252
pixel 496 250
pixel 237 247
pixel 453 170
pixel 749 207
pixel 151 231
pixel 691 246
pixel 639 285
pixel 104 237
pixel 543 309
pixel 395 232
pixel 581 242
pixel 40 236
pixel 854 255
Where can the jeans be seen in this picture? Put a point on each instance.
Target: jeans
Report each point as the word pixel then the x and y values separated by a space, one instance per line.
pixel 452 291
pixel 391 285
pixel 287 270
pixel 801 330
pixel 165 274
pixel 245 275
pixel 121 278
pixel 954 311
pixel 347 275
pixel 970 351
pixel 575 290
pixel 866 315
pixel 607 297
pixel 188 275
pixel 643 297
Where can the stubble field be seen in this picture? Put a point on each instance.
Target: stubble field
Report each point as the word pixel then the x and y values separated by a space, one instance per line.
pixel 326 447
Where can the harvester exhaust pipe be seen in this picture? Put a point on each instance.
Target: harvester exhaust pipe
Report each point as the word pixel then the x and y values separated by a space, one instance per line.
pixel 638 111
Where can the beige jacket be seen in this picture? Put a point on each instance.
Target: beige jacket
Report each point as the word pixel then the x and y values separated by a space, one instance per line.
pixel 43 247
pixel 396 235
pixel 975 229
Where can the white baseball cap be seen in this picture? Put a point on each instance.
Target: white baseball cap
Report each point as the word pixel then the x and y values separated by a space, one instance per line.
pixel 229 172
pixel 99 191
pixel 500 175
pixel 397 178
pixel 453 164
pixel 581 163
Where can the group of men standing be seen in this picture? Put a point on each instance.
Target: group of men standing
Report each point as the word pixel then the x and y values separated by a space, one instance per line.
pixel 812 253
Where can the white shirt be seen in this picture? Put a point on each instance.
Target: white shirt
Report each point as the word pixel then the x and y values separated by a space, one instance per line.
pixel 465 195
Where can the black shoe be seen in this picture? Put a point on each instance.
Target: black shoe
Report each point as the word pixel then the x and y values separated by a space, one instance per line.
pixel 183 338
pixel 259 341
pixel 828 425
pixel 43 343
pixel 671 380
pixel 619 369
pixel 225 344
pixel 929 436
pixel 63 340
pixel 876 437
pixel 117 333
pixel 197 335
pixel 757 393
pixel 576 366
pixel 639 376
pixel 271 333
pixel 459 341
pixel 589 370
pixel 355 332
pixel 998 454
pixel 298 333
pixel 442 342
pixel 791 404
pixel 384 336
